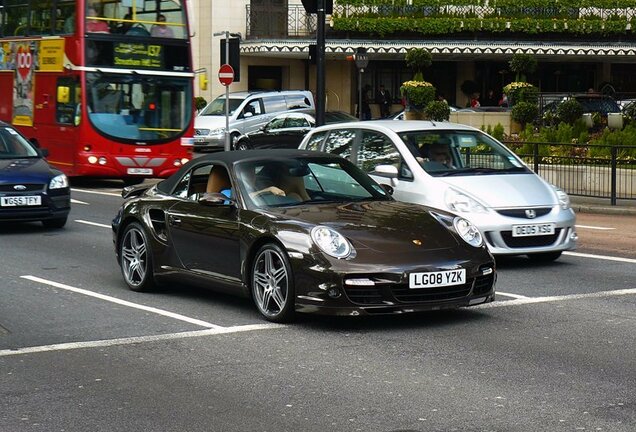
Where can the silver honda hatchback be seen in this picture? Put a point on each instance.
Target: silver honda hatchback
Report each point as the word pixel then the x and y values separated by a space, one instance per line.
pixel 459 168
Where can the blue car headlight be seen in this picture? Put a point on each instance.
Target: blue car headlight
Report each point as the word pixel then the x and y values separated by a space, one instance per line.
pixel 331 242
pixel 59 182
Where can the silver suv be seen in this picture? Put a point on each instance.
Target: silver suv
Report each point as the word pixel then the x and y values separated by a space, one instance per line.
pixel 248 112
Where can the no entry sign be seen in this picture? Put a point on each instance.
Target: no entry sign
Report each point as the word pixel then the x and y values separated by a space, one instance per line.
pixel 226 74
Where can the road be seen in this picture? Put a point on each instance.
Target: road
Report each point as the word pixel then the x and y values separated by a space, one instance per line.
pixel 78 351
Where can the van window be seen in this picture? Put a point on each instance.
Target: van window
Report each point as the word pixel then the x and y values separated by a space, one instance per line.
pixel 315 141
pixel 274 104
pixel 297 101
pixel 254 107
pixel 377 149
pixel 340 142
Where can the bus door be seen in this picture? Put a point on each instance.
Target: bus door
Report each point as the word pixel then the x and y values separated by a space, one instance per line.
pixel 62 135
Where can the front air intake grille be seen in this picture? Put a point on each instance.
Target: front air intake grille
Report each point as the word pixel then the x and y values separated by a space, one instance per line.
pixel 31 187
pixel 531 241
pixel 364 296
pixel 404 294
pixel 483 284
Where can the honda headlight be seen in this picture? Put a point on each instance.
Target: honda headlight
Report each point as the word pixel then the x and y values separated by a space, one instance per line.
pixel 564 199
pixel 59 182
pixel 331 242
pixel 461 203
pixel 468 232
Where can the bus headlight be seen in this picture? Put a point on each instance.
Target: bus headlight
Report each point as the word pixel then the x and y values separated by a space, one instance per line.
pixel 59 182
pixel 92 159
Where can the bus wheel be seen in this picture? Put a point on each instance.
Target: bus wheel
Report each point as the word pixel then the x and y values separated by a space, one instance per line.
pixel 132 181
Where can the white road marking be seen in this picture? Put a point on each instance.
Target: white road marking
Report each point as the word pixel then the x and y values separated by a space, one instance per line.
pixel 517 296
pixel 74 201
pixel 96 192
pixel 594 227
pixel 552 299
pixel 601 257
pixel 92 223
pixel 123 302
pixel 137 339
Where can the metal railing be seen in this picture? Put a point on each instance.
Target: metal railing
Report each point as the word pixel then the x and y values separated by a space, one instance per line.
pixel 599 171
pixel 290 22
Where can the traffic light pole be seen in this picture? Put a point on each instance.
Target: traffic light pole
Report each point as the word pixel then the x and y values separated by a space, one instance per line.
pixel 227 95
pixel 320 64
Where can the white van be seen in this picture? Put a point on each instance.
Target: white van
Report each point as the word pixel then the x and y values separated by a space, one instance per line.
pixel 248 112
pixel 461 169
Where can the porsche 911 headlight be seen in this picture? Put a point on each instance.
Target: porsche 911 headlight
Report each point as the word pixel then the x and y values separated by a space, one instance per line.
pixel 331 242
pixel 468 232
pixel 462 203
pixel 59 182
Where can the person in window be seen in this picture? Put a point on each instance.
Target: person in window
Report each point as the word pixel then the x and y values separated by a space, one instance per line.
pixel 161 30
pixel 125 25
pixel 440 152
pixel 95 25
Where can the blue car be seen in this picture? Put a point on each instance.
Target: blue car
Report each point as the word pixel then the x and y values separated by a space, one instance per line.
pixel 30 189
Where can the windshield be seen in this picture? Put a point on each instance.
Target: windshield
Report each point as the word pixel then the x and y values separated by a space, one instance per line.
pixel 157 18
pixel 217 107
pixel 454 153
pixel 13 145
pixel 291 181
pixel 137 107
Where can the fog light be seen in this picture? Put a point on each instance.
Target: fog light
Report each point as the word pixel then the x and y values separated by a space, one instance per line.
pixel 102 160
pixel 185 161
pixel 574 236
pixel 334 293
pixel 92 159
pixel 360 282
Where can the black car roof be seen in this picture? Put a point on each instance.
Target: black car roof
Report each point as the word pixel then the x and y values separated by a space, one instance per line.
pixel 230 158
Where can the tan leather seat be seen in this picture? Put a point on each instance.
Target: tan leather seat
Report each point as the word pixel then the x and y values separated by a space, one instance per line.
pixel 219 180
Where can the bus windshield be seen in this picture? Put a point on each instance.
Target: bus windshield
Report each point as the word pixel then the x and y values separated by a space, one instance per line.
pixel 138 107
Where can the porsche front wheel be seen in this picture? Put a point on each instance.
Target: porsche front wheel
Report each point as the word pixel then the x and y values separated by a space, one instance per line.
pixel 135 258
pixel 272 284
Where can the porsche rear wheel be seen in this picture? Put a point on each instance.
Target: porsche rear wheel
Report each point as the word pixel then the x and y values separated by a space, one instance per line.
pixel 272 284
pixel 135 258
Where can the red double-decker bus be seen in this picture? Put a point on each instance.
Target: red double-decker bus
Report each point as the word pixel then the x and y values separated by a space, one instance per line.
pixel 104 85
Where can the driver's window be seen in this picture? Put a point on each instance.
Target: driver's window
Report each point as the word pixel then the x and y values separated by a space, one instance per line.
pixel 253 107
pixel 199 182
pixel 277 123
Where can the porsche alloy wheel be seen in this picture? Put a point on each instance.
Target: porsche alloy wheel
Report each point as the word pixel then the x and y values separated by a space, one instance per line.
pixel 272 284
pixel 136 259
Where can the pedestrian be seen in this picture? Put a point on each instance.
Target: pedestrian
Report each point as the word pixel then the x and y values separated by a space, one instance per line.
pixel 383 98
pixel 474 101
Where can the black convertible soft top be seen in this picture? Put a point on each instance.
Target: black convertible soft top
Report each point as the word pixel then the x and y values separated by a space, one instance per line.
pixel 230 158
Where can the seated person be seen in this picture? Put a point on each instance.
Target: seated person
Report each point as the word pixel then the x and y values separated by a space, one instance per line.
pixel 219 182
pixel 161 30
pixel 440 152
pixel 94 25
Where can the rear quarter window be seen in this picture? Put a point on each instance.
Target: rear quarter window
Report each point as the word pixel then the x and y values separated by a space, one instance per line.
pixel 297 102
pixel 315 141
pixel 275 104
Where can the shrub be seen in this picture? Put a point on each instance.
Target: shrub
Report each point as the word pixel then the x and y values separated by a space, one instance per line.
pixel 199 103
pixel 437 111
pixel 498 132
pixel 523 64
pixel 569 111
pixel 418 93
pixel 418 59
pixel 524 112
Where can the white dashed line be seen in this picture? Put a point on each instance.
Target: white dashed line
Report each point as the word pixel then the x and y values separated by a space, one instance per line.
pixel 138 339
pixel 92 223
pixel 123 302
pixel 594 227
pixel 96 192
pixel 517 296
pixel 601 257
pixel 74 201
pixel 552 299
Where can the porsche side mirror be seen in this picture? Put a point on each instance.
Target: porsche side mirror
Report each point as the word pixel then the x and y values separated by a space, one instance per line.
pixel 387 188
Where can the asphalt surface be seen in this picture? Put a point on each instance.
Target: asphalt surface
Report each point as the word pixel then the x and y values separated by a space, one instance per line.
pixel 78 351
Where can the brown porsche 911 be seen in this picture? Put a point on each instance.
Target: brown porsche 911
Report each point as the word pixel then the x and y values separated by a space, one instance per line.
pixel 299 231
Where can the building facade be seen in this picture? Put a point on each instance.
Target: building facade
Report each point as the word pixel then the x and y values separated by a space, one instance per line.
pixel 579 45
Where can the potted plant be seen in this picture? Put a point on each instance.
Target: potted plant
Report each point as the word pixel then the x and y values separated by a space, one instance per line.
pixel 417 93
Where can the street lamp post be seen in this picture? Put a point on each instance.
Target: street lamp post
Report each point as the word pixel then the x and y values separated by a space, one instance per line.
pixel 227 35
pixel 362 61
